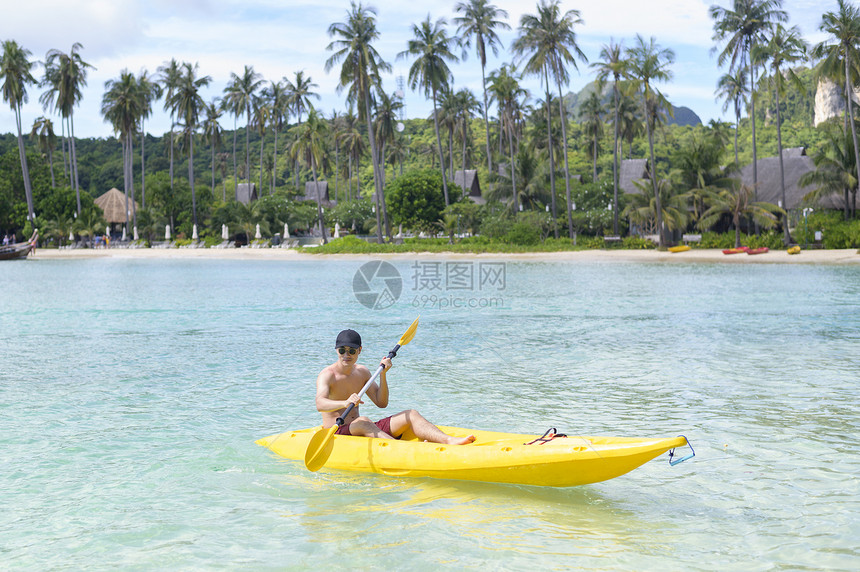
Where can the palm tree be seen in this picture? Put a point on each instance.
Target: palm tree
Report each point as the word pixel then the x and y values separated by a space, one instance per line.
pixel 15 67
pixel 43 132
pixel 784 46
pixel 66 75
pixel 844 44
pixel 612 63
pixel 278 97
pixel 431 47
pixel 630 124
pixel 387 109
pixel 122 106
pixel 835 170
pixel 550 43
pixel 738 201
pixel 299 94
pixel 171 74
pixel 150 91
pixel 465 105
pixel 733 88
pixel 309 146
pixel 242 92
pixel 647 63
pixel 591 115
pixel 742 27
pixel 479 21
pixel 360 71
pixel 262 119
pixel 353 143
pixel 212 135
pixel 188 103
pixel 652 211
pixel 505 90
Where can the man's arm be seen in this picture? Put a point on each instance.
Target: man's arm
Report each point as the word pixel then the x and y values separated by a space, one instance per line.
pixel 379 393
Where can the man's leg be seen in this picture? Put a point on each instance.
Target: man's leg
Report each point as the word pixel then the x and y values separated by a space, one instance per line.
pixel 423 429
pixel 364 427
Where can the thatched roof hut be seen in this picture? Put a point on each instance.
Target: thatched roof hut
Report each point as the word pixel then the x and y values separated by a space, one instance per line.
pixel 796 164
pixel 630 171
pixel 113 204
pixel 246 192
pixel 320 190
pixel 468 181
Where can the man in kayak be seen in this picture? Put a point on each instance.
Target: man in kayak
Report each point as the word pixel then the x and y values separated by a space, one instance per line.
pixel 338 386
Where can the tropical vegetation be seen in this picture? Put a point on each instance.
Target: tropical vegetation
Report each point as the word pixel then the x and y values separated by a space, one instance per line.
pixel 372 171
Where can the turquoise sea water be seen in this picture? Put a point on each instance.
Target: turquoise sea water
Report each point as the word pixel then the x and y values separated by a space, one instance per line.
pixel 131 393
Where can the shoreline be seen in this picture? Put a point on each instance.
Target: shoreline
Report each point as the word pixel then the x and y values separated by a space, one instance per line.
pixel 830 257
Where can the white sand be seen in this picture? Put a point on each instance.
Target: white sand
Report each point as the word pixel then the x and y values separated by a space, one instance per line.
pixel 845 256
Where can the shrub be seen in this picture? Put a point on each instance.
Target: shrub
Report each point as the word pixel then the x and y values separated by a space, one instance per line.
pixel 523 233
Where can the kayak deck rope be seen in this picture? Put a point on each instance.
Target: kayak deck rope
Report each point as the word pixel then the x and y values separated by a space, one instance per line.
pixel 682 459
pixel 551 433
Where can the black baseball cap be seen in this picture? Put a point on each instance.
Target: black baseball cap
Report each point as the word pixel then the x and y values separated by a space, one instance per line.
pixel 348 338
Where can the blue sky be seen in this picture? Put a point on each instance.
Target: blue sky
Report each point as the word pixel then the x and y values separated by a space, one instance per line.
pixel 280 37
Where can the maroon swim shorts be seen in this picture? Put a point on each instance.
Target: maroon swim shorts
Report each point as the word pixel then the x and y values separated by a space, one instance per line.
pixel 383 424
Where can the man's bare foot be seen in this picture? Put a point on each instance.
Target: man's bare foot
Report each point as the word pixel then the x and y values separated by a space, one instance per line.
pixel 461 440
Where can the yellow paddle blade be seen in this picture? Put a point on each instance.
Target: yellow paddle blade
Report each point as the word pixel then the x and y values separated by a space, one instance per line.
pixel 319 448
pixel 410 333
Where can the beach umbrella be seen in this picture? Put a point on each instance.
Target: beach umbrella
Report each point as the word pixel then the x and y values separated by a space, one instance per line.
pixel 124 235
pixel 336 230
pixel 225 234
pixel 167 232
pixel 194 233
pixel 257 234
pixel 71 236
pixel 286 230
pixel 135 234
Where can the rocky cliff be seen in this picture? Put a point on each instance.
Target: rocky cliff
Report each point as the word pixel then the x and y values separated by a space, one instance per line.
pixel 830 101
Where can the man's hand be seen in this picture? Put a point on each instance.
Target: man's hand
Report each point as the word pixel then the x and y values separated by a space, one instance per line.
pixel 386 363
pixel 354 399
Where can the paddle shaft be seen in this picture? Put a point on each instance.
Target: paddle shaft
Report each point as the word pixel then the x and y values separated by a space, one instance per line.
pixel 340 420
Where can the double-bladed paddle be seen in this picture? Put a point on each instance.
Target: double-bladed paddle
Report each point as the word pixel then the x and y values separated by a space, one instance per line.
pixel 321 444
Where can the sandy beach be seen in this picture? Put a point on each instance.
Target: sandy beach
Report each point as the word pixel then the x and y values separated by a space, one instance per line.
pixel 843 256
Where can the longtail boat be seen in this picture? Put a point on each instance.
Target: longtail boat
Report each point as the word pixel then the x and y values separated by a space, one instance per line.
pixel 19 249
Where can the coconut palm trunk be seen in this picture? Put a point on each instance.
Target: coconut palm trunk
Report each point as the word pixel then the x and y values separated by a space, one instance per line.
pixel 439 144
pixel 25 171
pixel 755 155
pixel 487 122
pixel 513 167
pixel 615 161
pixel 653 175
pixel 551 157
pixel 191 178
pixel 567 168
pixel 319 199
pixel 376 179
pixel 849 99
pixel 786 234
pixel 74 160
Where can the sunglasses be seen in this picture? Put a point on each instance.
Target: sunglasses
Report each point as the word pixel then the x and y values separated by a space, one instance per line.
pixel 343 349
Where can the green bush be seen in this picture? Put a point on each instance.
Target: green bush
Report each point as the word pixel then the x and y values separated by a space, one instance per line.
pixel 524 234
pixel 637 243
pixel 836 232
pixel 415 199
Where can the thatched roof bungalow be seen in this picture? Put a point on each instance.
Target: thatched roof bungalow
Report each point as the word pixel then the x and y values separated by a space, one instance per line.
pixel 318 190
pixel 468 181
pixel 246 193
pixel 113 203
pixel 630 171
pixel 796 164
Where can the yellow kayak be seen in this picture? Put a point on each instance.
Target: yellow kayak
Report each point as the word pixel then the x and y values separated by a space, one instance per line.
pixel 794 250
pixel 681 248
pixel 493 457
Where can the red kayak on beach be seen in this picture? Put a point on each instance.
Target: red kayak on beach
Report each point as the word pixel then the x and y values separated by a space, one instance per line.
pixel 761 250
pixel 737 250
